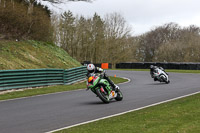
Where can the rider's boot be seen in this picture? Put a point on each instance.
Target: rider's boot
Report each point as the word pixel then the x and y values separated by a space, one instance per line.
pixel 116 88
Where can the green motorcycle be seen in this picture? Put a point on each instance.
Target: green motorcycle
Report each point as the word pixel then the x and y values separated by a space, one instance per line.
pixel 102 88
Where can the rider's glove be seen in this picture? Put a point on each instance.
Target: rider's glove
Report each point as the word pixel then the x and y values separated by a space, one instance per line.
pixel 102 75
pixel 100 69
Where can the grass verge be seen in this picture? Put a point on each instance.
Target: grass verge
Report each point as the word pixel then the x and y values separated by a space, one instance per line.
pixel 51 89
pixel 180 116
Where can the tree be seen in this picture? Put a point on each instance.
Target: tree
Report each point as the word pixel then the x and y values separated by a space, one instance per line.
pixel 151 41
pixel 183 49
pixel 97 38
pixel 117 32
pixel 84 39
pixel 67 31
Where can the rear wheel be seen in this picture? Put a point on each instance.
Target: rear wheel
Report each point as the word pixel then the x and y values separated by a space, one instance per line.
pixel 119 96
pixel 104 97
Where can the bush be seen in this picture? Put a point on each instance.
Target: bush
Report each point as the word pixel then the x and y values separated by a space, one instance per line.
pixel 22 20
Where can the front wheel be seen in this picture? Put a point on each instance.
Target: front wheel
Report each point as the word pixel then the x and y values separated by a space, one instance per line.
pixel 102 96
pixel 119 96
pixel 163 78
pixel 167 82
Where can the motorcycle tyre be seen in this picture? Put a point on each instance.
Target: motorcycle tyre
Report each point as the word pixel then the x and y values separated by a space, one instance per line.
pixel 164 80
pixel 119 96
pixel 167 82
pixel 103 97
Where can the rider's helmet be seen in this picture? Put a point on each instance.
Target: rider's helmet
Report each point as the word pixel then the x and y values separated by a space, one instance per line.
pixel 91 68
pixel 151 66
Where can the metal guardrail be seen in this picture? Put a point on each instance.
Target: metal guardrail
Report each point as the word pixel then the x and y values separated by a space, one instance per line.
pixel 165 65
pixel 14 79
pixel 74 75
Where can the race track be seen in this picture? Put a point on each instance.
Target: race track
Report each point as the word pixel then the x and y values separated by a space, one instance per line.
pixel 49 112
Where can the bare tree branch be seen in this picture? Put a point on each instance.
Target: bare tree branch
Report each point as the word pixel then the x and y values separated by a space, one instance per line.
pixel 63 1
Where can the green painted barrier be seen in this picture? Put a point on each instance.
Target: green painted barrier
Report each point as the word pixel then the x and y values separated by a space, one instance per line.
pixel 15 79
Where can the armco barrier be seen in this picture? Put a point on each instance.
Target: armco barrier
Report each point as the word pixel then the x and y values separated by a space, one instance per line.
pixel 74 75
pixel 170 65
pixel 13 79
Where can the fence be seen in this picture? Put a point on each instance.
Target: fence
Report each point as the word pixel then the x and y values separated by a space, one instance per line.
pixel 170 65
pixel 14 79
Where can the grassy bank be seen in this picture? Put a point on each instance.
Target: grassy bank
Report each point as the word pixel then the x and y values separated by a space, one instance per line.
pixel 51 89
pixel 180 116
pixel 32 55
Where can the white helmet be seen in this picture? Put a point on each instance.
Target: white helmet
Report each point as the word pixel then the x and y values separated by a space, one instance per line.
pixel 90 68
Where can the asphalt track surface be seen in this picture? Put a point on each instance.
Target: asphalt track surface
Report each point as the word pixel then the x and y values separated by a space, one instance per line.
pixel 50 112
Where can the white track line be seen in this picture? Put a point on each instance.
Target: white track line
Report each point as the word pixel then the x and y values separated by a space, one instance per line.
pixel 123 112
pixel 129 80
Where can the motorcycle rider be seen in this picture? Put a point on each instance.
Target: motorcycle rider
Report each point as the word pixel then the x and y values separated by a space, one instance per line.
pixel 92 69
pixel 152 71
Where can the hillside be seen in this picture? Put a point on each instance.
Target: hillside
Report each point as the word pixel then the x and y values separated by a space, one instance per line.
pixel 33 55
